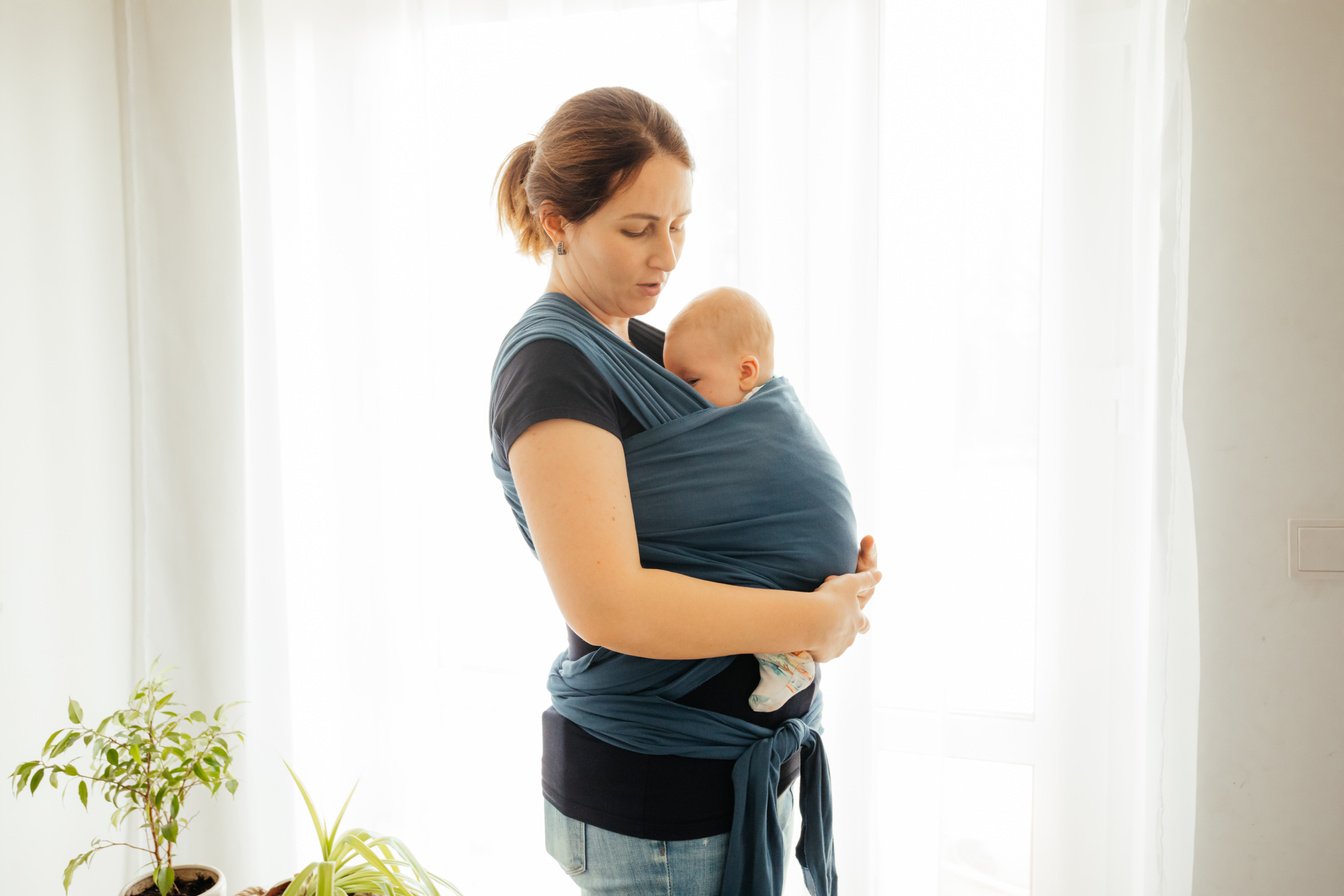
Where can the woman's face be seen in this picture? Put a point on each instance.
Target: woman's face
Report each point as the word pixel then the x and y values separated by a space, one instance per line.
pixel 619 258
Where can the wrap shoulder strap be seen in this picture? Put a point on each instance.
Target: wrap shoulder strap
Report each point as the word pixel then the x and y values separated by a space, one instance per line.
pixel 653 395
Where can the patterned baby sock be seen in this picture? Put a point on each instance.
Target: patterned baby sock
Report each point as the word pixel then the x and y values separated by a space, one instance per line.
pixel 782 676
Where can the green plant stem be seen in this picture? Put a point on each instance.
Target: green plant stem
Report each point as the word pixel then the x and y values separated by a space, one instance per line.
pixel 104 844
pixel 153 824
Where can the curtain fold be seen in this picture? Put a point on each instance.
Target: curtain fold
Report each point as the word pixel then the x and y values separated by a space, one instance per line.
pixel 189 421
pixel 1119 694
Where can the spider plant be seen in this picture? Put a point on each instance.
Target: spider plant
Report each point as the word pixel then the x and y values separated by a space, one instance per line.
pixel 359 861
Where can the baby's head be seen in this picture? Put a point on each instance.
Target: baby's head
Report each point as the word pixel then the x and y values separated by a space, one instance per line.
pixel 722 344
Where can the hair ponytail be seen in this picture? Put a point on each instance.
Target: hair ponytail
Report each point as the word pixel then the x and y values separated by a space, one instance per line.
pixel 511 197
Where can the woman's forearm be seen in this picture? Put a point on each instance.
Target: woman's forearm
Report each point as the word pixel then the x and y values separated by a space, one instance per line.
pixel 664 615
pixel 571 481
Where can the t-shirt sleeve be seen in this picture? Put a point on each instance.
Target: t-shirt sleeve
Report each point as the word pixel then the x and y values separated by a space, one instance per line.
pixel 548 380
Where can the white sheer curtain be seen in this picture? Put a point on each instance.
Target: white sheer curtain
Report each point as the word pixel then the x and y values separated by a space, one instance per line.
pixel 967 219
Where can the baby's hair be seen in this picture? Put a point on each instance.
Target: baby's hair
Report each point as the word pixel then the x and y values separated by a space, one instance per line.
pixel 735 318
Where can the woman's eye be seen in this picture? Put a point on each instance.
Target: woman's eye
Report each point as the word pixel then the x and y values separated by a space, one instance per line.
pixel 631 233
pixel 693 380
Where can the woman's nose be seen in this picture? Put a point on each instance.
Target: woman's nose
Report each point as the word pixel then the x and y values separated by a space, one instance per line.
pixel 664 256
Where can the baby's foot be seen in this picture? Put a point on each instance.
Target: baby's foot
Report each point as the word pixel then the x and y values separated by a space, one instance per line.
pixel 782 676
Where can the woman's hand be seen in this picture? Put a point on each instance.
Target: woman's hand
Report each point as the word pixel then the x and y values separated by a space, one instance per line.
pixel 847 596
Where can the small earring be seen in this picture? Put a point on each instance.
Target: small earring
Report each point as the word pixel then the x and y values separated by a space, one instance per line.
pixel 560 248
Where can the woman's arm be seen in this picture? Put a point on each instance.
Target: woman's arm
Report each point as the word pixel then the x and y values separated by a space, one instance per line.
pixel 572 483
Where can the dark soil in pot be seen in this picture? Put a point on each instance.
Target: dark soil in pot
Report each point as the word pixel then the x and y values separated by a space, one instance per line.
pixel 192 887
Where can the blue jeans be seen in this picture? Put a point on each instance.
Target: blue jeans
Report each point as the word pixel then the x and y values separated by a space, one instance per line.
pixel 602 863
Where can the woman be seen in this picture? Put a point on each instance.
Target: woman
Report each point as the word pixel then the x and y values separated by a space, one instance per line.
pixel 606 189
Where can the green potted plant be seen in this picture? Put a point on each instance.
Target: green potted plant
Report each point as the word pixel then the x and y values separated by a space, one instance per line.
pixel 357 861
pixel 144 760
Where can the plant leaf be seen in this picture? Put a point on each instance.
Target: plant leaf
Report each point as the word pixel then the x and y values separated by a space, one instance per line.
pixel 36 780
pixel 231 785
pixel 64 743
pixel 322 841
pixel 325 872
pixel 75 711
pixel 70 870
pixel 163 877
pixel 84 793
pixel 341 814
pixel 169 829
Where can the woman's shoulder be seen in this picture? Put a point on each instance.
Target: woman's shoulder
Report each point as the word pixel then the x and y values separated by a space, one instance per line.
pixel 547 372
pixel 549 379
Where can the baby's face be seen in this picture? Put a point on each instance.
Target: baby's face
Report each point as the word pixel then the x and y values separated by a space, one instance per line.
pixel 705 365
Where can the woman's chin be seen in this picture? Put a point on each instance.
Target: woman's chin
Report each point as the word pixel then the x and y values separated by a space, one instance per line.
pixel 641 304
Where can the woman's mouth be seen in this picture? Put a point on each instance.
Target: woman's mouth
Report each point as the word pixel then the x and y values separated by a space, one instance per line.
pixel 650 289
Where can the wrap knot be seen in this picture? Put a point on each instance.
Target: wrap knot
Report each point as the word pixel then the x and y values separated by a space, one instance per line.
pixel 788 739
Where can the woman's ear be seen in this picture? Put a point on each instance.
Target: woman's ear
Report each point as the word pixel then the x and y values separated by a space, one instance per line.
pixel 552 222
pixel 748 372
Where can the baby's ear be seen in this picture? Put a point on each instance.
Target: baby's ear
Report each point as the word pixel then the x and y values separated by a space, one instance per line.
pixel 748 372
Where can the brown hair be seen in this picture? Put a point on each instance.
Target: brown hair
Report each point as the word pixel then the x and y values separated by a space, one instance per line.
pixel 587 151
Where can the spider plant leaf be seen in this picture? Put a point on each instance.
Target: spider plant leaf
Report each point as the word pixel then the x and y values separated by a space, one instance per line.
pixel 296 886
pixel 336 826
pixel 322 839
pixel 421 874
pixel 326 871
pixel 369 855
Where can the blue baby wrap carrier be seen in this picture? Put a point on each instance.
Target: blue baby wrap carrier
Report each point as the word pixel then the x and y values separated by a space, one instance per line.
pixel 746 495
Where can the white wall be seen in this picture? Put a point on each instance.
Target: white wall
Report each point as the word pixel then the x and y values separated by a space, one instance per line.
pixel 65 468
pixel 1264 409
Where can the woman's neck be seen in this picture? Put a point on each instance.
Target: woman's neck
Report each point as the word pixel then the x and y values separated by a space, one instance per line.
pixel 618 325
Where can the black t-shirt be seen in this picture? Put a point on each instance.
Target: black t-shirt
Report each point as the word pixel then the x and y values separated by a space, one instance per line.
pixel 651 797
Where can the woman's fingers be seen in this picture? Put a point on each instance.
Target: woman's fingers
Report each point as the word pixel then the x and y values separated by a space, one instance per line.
pixel 867 554
pixel 848 595
pixel 868 584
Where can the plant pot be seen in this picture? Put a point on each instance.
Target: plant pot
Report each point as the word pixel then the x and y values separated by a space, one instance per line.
pixel 189 875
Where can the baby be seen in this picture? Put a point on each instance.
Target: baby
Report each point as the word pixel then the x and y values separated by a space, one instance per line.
pixel 722 345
